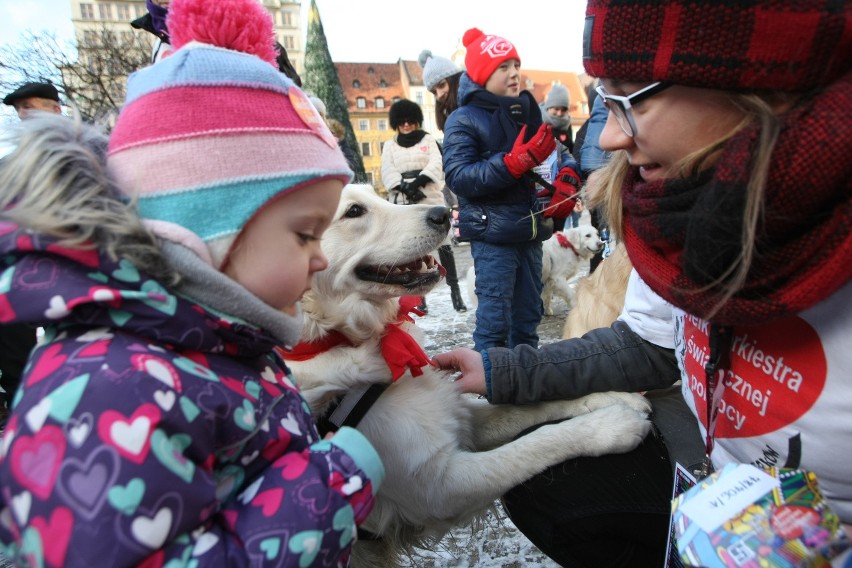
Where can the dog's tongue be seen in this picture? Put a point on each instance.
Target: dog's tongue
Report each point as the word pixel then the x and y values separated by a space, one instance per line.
pixel 442 270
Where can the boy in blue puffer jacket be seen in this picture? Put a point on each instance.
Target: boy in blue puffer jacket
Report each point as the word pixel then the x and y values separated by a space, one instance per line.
pixel 491 144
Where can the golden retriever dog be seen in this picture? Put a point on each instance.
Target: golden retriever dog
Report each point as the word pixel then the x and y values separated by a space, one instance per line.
pixel 563 256
pixel 600 295
pixel 448 456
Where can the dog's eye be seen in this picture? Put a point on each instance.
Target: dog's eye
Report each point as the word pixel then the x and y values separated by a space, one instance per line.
pixel 354 211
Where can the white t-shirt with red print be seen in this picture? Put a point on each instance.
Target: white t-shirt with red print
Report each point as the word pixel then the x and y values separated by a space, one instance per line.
pixel 788 393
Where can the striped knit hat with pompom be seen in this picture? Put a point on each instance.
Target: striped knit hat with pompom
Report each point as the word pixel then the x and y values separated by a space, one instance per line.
pixel 785 45
pixel 214 132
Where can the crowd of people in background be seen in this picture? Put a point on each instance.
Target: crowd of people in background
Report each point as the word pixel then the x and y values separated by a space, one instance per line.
pixel 172 254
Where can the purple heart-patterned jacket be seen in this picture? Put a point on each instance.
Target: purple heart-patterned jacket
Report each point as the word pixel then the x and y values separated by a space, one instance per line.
pixel 149 430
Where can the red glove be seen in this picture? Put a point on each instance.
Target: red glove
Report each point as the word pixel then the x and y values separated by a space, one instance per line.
pixel 563 200
pixel 524 156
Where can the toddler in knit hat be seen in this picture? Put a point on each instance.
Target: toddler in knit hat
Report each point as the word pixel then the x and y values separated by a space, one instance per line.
pixel 166 266
pixel 214 133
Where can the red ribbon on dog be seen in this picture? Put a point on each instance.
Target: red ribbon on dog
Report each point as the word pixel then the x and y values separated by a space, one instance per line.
pixel 399 350
pixel 564 242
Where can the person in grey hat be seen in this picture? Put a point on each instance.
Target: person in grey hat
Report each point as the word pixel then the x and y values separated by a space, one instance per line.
pixel 441 78
pixel 554 110
pixel 34 97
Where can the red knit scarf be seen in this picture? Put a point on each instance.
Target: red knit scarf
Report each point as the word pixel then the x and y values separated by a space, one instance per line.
pixel 399 349
pixel 682 234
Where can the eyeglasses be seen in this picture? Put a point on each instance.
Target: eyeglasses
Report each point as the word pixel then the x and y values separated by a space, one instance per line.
pixel 621 106
pixel 408 121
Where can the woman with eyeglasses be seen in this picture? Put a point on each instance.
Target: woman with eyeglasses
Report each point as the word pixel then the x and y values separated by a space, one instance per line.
pixel 729 124
pixel 413 172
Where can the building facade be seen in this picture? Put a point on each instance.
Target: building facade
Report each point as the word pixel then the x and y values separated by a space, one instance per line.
pixel 371 88
pixel 107 45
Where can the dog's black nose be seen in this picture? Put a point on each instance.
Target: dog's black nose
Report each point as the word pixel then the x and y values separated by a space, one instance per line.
pixel 440 217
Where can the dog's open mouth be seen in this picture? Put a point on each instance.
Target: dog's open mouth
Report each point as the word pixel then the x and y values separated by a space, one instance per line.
pixel 421 272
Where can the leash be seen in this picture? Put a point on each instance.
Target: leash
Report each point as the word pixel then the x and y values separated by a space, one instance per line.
pixel 535 177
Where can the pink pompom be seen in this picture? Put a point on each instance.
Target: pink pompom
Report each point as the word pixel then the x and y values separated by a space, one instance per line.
pixel 240 25
pixel 471 35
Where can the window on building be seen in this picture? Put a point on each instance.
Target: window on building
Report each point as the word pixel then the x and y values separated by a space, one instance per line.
pixel 380 102
pixel 381 147
pixel 90 37
pixel 124 12
pixel 361 102
pixel 105 11
pixel 356 84
pixel 289 42
pixel 382 124
pixel 87 12
pixel 418 97
pixel 371 71
pixel 369 177
pixel 396 99
pixel 141 10
pixel 383 84
pixel 286 19
pixel 363 124
pixel 365 149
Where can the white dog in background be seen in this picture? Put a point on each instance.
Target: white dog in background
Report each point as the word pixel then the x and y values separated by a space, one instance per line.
pixel 447 456
pixel 563 256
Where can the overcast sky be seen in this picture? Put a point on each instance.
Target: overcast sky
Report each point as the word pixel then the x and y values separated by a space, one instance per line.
pixel 546 33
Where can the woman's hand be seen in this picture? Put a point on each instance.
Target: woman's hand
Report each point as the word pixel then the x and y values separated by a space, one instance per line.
pixel 469 363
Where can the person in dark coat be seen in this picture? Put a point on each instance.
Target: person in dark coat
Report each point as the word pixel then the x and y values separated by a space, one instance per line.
pixel 491 143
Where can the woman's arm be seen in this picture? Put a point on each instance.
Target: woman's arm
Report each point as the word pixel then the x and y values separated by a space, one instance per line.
pixel 607 359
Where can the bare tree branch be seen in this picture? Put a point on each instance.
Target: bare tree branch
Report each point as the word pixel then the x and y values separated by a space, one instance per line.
pixel 91 73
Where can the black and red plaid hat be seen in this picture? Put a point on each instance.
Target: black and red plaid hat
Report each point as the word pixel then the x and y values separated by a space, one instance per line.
pixel 786 45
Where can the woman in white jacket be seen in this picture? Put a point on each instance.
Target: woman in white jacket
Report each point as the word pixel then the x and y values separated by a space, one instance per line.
pixel 412 170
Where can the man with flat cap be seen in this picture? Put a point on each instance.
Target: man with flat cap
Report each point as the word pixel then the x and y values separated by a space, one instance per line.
pixel 34 97
pixel 16 340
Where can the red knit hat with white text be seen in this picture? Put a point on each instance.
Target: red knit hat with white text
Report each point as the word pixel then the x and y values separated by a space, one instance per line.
pixel 485 53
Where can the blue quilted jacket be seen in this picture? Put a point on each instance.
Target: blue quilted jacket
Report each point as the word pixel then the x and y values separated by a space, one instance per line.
pixel 493 206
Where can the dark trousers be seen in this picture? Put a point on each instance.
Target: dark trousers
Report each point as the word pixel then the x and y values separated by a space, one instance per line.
pixel 607 511
pixel 16 342
pixel 448 261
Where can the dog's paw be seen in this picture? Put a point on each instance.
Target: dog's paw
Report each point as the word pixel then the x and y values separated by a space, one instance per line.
pixel 613 429
pixel 603 399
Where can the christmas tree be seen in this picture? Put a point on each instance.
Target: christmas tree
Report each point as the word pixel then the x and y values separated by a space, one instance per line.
pixel 320 78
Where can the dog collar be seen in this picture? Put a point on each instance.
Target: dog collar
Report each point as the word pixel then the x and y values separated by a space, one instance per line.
pixel 399 350
pixel 564 242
